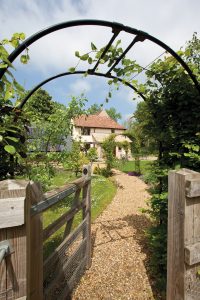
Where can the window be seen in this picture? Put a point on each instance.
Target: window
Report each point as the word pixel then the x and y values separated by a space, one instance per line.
pixel 85 131
pixel 112 130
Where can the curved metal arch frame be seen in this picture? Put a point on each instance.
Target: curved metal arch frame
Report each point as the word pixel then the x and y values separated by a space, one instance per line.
pixel 76 73
pixel 116 28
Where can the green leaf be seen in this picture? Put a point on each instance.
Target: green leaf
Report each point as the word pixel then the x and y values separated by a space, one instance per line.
pixel 8 95
pixel 77 54
pixel 10 149
pixel 24 59
pixel 18 86
pixel 102 61
pixel 84 57
pixel 22 36
pixel 93 47
pixel 2 84
pixel 14 42
pixel 3 66
pixel 1 138
pixel 90 60
pixel 16 140
pixel 72 70
pixel 118 42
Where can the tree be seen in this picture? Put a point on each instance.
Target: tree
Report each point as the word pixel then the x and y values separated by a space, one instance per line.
pixel 113 114
pixel 39 106
pixel 55 129
pixel 109 146
pixel 92 154
pixel 94 108
pixel 76 158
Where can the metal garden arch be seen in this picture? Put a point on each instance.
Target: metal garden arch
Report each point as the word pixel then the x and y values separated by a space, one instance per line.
pixel 116 29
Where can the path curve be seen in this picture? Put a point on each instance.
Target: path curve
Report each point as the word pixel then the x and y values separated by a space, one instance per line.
pixel 119 269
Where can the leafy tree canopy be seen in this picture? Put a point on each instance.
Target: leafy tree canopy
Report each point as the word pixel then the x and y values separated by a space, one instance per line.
pixel 112 112
pixel 39 106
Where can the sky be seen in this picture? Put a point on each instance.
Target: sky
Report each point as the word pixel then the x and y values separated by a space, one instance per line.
pixel 172 21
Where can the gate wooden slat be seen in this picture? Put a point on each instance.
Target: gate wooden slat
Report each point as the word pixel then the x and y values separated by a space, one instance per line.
pixel 53 227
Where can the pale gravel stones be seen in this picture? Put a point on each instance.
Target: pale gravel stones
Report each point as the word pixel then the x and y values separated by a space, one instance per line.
pixel 118 269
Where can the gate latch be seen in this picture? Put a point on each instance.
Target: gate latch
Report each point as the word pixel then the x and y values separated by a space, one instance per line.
pixel 5 249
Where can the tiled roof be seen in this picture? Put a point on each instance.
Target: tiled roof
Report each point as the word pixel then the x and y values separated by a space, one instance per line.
pixel 97 121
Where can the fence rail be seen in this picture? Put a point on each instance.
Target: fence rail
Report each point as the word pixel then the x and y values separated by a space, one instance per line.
pixel 23 272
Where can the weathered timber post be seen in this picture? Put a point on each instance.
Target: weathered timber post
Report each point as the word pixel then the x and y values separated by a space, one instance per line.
pixel 87 211
pixel 19 266
pixel 34 233
pixel 183 258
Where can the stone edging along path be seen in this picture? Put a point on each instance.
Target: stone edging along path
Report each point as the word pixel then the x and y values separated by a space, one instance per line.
pixel 119 267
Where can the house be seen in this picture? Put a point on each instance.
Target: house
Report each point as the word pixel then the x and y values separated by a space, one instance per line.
pixel 92 130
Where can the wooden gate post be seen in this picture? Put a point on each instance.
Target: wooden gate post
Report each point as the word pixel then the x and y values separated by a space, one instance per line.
pixel 34 231
pixel 183 257
pixel 87 211
pixel 21 271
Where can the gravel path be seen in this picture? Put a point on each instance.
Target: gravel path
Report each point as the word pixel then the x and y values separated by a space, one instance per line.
pixel 119 261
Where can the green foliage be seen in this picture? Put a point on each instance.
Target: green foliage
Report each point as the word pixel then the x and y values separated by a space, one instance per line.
pixel 76 159
pixel 169 117
pixel 39 106
pixel 125 71
pixel 92 154
pixel 42 174
pixel 53 128
pixel 95 108
pixel 108 147
pixel 113 114
pixel 124 145
pixel 12 137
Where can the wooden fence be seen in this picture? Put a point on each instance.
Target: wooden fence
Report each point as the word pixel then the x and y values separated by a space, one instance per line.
pixel 183 266
pixel 23 274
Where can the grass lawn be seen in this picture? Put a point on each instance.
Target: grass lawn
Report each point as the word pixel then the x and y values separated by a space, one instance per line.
pixel 129 166
pixel 102 193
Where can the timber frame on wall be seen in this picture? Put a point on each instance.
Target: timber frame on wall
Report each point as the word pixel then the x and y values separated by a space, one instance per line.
pixel 139 36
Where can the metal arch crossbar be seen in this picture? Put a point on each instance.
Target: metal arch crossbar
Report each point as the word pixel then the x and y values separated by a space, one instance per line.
pixel 90 72
pixel 116 28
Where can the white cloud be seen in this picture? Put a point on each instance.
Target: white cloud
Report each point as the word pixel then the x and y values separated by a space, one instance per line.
pixel 80 86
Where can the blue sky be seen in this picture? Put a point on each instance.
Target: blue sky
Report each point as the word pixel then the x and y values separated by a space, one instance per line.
pixel 172 21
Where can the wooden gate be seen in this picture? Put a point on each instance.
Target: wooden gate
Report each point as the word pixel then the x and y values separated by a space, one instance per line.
pixel 22 271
